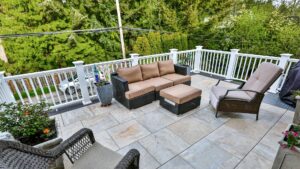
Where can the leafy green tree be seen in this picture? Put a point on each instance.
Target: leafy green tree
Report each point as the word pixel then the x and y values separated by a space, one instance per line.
pixel 142 46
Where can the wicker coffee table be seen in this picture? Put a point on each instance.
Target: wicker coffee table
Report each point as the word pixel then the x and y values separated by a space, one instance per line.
pixel 180 99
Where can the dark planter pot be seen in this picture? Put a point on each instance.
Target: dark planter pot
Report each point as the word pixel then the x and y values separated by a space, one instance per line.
pixel 287 158
pixel 189 69
pixel 105 94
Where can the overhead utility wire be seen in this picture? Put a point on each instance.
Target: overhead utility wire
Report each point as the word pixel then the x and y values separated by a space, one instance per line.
pixel 98 30
pixel 59 32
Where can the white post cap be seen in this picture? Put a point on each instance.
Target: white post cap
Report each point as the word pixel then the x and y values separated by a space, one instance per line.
pixel 132 55
pixel 173 50
pixel 199 47
pixel 78 62
pixel 234 50
pixel 288 55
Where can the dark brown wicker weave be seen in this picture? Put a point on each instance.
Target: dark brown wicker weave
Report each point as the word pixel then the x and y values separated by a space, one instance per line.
pixel 15 155
pixel 241 106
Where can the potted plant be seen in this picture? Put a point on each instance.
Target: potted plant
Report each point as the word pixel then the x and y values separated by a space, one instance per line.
pixel 186 60
pixel 296 119
pixel 103 86
pixel 288 155
pixel 29 123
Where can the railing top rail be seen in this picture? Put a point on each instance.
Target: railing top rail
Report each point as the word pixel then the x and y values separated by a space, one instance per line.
pixel 216 51
pixel 36 74
pixel 186 51
pixel 293 60
pixel 258 56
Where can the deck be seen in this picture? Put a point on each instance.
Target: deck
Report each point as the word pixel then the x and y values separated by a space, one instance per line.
pixel 194 140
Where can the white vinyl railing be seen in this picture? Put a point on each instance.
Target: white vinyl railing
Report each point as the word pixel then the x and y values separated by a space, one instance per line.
pixel 62 87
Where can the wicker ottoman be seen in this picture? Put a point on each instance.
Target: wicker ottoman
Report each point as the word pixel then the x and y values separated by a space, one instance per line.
pixel 180 98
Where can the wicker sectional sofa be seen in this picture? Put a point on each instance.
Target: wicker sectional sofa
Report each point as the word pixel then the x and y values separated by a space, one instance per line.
pixel 140 85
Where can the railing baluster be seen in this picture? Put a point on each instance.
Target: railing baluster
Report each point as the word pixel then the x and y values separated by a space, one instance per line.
pixel 42 89
pixel 18 91
pixel 64 92
pixel 57 92
pixel 69 89
pixel 34 90
pixel 26 91
pixel 50 91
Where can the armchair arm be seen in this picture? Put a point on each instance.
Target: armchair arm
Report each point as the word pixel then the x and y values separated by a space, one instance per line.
pixel 241 85
pixel 74 146
pixel 119 83
pixel 232 90
pixel 130 160
pixel 180 69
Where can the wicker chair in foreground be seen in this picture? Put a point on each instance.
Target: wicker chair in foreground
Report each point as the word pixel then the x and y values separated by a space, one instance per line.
pixel 81 149
pixel 247 97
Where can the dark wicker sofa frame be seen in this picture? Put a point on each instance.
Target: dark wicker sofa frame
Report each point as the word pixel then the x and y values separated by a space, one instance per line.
pixel 241 106
pixel 120 86
pixel 15 155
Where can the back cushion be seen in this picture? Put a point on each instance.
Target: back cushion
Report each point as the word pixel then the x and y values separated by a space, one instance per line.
pixel 132 74
pixel 166 67
pixel 263 77
pixel 150 70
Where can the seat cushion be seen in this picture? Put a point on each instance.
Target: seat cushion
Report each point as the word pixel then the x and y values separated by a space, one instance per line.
pixel 159 83
pixel 132 74
pixel 217 92
pixel 138 89
pixel 150 70
pixel 98 156
pixel 166 67
pixel 180 93
pixel 177 78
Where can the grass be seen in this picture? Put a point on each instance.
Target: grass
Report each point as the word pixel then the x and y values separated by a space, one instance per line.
pixel 32 94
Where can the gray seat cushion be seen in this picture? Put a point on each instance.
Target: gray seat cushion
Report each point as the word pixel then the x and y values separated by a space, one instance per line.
pixel 217 92
pixel 98 157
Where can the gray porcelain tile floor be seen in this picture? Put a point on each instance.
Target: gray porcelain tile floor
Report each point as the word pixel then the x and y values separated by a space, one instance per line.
pixel 195 140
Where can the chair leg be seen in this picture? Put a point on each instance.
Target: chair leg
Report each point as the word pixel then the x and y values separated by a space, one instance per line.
pixel 256 116
pixel 216 114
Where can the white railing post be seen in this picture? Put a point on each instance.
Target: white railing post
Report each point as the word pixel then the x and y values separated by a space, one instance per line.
pixel 135 59
pixel 174 55
pixel 232 61
pixel 198 57
pixel 6 94
pixel 284 58
pixel 83 84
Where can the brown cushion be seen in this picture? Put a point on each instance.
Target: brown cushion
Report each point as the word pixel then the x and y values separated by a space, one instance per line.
pixel 132 74
pixel 177 78
pixel 150 70
pixel 180 93
pixel 138 91
pixel 159 83
pixel 263 77
pixel 166 67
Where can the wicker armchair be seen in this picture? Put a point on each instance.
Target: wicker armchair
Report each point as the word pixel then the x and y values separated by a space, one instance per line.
pixel 81 149
pixel 248 97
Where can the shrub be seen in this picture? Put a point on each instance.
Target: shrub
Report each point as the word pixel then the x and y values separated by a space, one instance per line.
pixel 29 124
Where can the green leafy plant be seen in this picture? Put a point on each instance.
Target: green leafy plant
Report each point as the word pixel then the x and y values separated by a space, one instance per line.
pixel 29 124
pixel 186 60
